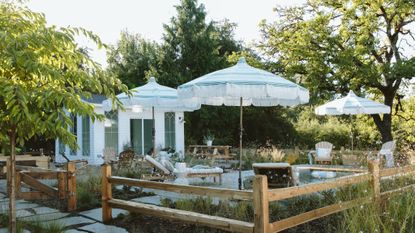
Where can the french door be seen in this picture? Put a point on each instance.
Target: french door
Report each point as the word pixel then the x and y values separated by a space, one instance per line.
pixel 141 135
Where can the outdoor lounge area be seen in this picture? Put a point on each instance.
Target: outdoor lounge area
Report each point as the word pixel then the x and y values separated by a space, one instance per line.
pixel 206 116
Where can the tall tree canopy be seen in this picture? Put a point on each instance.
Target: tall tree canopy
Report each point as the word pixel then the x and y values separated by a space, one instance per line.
pixel 335 46
pixel 43 74
pixel 132 59
pixel 192 46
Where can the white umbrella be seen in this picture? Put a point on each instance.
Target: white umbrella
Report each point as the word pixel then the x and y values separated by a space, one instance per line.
pixel 243 85
pixel 153 95
pixel 352 105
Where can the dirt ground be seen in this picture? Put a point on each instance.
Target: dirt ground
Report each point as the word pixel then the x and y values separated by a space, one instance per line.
pixel 140 223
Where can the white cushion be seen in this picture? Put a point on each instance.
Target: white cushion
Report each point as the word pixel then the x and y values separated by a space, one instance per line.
pixel 323 153
pixel 271 165
pixel 156 164
pixel 385 152
pixel 204 169
pixel 166 163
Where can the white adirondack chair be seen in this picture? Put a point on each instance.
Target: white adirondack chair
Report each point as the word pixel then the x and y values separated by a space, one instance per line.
pixel 322 154
pixel 109 155
pixel 387 151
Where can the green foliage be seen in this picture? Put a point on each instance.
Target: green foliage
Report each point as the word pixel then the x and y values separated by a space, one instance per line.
pixel 43 72
pixel 192 46
pixel 312 129
pixel 39 226
pixel 35 226
pixel 404 124
pixel 88 193
pixel 132 59
pixel 336 46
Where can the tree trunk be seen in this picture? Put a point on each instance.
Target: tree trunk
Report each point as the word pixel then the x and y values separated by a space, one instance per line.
pixel 384 125
pixel 12 183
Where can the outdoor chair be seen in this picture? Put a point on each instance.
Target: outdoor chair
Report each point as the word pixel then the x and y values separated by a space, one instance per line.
pixel 126 160
pixel 322 154
pixel 167 168
pixel 387 151
pixel 109 156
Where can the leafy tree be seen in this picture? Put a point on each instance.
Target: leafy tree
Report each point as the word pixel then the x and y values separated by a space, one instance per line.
pixel 132 58
pixel 192 46
pixel 404 124
pixel 336 46
pixel 42 75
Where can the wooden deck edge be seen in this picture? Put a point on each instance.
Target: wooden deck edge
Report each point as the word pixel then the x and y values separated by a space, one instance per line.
pixel 188 189
pixel 316 214
pixel 186 216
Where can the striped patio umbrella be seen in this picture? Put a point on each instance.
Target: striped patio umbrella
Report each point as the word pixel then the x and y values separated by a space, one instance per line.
pixel 153 95
pixel 352 105
pixel 243 85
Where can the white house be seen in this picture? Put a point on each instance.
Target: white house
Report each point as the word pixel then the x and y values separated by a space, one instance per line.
pixel 129 128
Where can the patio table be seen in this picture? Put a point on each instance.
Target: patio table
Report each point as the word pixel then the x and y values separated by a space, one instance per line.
pixel 214 151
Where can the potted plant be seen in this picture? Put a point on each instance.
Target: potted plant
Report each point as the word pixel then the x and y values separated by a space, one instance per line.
pixel 208 138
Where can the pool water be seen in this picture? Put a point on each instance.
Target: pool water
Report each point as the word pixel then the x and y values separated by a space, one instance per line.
pixel 306 178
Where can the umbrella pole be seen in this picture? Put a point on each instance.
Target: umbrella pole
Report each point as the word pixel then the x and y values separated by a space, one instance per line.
pixel 351 130
pixel 240 147
pixel 153 132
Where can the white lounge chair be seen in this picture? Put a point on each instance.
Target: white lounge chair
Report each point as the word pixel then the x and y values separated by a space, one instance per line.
pixel 196 171
pixel 387 151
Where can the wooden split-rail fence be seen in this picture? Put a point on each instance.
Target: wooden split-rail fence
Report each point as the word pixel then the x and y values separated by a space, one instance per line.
pixel 261 196
pixel 30 178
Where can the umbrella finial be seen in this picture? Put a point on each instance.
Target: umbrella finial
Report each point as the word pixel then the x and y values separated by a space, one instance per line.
pixel 242 60
pixel 152 80
pixel 351 93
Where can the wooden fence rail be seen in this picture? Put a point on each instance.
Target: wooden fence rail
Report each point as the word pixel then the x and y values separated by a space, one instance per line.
pixel 212 221
pixel 30 177
pixel 261 196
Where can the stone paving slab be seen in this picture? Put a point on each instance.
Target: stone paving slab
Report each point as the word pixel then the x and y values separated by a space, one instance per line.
pixel 4 206
pixel 25 205
pixel 74 231
pixel 101 228
pixel 5 230
pixel 44 210
pixel 23 213
pixel 97 213
pixel 70 221
pixel 45 217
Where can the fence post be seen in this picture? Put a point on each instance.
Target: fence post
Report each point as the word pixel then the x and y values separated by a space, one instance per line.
pixel 106 193
pixel 61 184
pixel 374 170
pixel 18 184
pixel 261 204
pixel 71 181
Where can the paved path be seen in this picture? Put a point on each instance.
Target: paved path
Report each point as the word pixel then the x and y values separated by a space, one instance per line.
pixel 86 221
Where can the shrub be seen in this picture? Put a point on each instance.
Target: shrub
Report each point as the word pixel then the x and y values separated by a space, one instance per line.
pixel 89 193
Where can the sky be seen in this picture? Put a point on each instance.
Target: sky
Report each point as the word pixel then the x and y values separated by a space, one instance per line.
pixel 146 17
